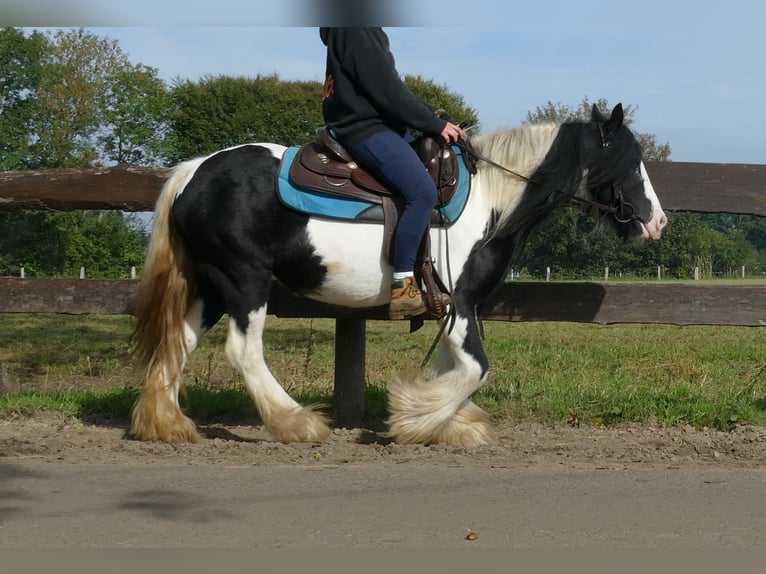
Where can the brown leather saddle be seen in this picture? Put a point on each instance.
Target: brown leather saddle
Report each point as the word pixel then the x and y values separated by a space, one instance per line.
pixel 325 165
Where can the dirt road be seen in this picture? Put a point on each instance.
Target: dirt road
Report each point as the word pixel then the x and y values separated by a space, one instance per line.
pixel 64 484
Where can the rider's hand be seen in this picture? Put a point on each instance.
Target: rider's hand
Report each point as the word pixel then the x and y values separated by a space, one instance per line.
pixel 452 132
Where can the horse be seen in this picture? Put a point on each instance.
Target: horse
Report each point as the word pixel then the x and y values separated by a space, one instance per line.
pixel 220 235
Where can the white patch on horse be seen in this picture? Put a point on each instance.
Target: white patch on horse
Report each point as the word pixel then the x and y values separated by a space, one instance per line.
pixel 653 229
pixel 357 273
pixel 245 352
pixel 283 417
pixel 458 241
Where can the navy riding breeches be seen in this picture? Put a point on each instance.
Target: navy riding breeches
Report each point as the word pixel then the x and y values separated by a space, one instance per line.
pixel 390 158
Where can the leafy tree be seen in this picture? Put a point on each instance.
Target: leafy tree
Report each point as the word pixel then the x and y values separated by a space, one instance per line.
pixel 55 88
pixel 74 78
pixel 222 111
pixel 560 113
pixel 137 111
pixel 439 96
pixel 20 66
pixel 106 243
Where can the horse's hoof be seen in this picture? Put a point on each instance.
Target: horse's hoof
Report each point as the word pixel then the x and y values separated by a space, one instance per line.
pixel 304 424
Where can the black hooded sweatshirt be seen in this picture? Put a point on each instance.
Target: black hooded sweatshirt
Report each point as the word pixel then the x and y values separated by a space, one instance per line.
pixel 363 92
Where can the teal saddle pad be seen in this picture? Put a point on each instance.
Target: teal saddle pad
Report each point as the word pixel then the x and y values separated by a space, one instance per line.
pixel 322 204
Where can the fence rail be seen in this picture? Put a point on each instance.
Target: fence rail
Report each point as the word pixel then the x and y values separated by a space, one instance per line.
pixel 576 302
pixel 681 186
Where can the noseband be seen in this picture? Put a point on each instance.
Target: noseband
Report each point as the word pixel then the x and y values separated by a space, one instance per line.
pixel 622 210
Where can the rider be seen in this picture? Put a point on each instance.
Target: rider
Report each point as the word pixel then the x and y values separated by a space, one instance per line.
pixel 369 108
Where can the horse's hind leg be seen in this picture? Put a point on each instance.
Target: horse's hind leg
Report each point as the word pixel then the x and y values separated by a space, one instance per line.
pixel 157 414
pixel 283 417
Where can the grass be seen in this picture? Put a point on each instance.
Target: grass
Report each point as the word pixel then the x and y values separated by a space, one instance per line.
pixel 555 373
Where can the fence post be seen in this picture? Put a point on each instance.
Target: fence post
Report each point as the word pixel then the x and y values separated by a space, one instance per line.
pixel 606 273
pixel 350 349
pixel 22 273
pixel 82 272
pixel 547 273
pixel 743 272
pixel 696 273
pixel 659 272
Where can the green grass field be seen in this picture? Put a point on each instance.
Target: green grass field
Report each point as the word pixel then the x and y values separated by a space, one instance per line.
pixel 555 373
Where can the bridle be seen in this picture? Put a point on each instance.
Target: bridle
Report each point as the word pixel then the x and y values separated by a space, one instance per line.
pixel 622 210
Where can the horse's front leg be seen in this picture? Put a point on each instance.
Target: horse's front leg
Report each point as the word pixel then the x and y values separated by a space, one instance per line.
pixel 439 410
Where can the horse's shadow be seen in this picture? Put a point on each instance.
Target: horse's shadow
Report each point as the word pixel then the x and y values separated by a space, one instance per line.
pixel 368 434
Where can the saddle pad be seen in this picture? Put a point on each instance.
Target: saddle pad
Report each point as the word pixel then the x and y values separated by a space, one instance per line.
pixel 332 206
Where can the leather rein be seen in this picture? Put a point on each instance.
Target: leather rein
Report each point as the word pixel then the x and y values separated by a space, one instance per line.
pixel 622 210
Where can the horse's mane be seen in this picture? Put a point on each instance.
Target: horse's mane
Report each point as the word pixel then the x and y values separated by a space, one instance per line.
pixel 523 150
pixel 551 156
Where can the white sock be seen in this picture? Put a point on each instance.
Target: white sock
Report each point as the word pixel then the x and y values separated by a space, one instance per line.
pixel 402 275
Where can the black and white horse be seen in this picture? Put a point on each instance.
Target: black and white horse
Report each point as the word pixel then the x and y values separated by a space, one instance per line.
pixel 220 235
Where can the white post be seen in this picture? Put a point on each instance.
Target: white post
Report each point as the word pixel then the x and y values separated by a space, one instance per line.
pixel 606 273
pixel 22 273
pixel 743 272
pixel 659 272
pixel 696 273
pixel 133 272
pixel 547 273
pixel 82 272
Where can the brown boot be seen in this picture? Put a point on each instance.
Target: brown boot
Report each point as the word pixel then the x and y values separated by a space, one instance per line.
pixel 406 300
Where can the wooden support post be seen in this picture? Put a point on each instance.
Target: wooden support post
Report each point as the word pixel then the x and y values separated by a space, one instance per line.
pixel 350 349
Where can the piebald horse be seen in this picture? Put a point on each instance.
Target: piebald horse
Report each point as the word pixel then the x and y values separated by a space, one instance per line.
pixel 221 235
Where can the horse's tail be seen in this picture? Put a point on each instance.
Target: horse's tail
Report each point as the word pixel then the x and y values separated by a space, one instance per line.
pixel 165 292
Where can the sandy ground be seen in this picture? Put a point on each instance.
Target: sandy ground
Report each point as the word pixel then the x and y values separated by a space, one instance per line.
pixel 53 438
pixel 67 484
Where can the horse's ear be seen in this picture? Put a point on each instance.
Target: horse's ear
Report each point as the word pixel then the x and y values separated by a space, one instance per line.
pixel 596 116
pixel 618 116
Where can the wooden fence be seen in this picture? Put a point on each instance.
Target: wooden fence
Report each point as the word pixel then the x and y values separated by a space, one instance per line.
pixel 697 187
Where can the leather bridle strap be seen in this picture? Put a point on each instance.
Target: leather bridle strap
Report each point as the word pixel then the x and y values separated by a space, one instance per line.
pixel 476 155
pixel 618 209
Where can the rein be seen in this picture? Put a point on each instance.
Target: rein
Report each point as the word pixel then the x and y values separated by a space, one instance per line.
pixel 622 210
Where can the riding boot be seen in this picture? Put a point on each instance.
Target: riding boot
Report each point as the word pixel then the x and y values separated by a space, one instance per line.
pixel 406 299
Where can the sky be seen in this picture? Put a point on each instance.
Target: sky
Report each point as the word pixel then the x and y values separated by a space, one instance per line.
pixel 694 72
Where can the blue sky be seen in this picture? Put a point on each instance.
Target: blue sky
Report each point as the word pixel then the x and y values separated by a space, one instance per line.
pixel 694 71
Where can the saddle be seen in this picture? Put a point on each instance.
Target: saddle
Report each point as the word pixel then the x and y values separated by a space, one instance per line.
pixel 326 166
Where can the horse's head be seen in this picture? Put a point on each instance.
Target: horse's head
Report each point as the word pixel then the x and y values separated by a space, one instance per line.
pixel 617 182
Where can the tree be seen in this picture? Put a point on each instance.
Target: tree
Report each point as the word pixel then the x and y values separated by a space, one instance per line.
pixel 137 112
pixel 54 92
pixel 439 96
pixel 20 67
pixel 223 111
pixel 560 113
pixel 75 76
